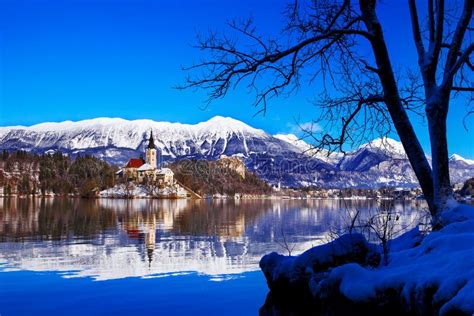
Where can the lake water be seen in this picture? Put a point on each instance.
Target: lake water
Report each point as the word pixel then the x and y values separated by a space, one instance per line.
pixel 163 257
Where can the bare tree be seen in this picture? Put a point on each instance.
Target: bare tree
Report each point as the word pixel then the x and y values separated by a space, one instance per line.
pixel 379 223
pixel 151 185
pixel 284 242
pixel 384 224
pixel 128 187
pixel 350 220
pixel 361 94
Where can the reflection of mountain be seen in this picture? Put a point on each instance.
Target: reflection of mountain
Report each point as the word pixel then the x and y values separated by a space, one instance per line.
pixel 108 239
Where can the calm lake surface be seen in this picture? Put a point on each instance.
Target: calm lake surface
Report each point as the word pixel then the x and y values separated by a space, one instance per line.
pixel 161 257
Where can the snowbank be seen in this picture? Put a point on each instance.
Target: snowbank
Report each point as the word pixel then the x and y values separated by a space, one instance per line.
pixel 124 191
pixel 426 274
pixel 140 191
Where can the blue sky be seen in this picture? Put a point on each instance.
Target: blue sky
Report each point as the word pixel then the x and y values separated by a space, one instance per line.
pixel 78 59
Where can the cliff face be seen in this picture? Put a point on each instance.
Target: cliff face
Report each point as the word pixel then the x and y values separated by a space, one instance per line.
pixel 228 175
pixel 233 163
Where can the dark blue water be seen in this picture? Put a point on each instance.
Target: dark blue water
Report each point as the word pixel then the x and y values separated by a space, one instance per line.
pixel 48 293
pixel 160 257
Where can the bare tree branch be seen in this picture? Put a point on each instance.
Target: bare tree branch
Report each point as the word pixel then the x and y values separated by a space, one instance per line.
pixel 453 63
pixel 469 89
pixel 359 95
pixel 463 59
pixel 416 30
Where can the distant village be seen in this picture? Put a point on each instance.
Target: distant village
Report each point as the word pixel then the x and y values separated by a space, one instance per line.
pixel 23 174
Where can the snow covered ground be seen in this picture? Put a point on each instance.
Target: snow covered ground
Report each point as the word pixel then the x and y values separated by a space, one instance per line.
pixel 140 191
pixel 430 274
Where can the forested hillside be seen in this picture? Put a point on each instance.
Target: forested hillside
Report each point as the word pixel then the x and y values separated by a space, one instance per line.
pixel 25 173
pixel 216 177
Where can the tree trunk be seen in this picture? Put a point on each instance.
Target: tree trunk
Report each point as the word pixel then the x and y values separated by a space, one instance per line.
pixel 400 119
pixel 437 112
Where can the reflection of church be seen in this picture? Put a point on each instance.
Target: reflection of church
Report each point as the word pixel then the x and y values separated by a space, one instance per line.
pixel 140 170
pixel 165 230
pixel 143 229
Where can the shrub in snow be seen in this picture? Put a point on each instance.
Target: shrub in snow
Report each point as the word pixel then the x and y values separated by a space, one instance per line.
pixel 288 272
pixel 430 274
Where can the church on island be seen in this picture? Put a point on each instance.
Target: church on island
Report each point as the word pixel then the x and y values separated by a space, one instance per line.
pixel 139 170
pixel 148 173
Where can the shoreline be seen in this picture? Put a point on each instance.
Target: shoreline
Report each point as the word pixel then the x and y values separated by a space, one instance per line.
pixel 270 197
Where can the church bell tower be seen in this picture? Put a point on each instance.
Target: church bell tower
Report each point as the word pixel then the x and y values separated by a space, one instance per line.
pixel 151 152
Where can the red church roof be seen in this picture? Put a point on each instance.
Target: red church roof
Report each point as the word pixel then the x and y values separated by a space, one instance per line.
pixel 135 163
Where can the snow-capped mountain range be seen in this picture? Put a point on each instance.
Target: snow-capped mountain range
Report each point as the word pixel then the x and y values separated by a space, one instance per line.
pixel 275 158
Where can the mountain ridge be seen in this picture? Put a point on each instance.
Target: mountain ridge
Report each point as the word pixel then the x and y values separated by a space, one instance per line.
pixel 276 158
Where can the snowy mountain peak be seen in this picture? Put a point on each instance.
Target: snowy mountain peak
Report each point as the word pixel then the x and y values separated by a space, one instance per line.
pixel 457 158
pixel 117 138
pixel 229 124
pixel 287 137
pixel 386 145
pixel 140 126
pixel 71 125
pixel 294 140
pixel 309 150
pixel 225 119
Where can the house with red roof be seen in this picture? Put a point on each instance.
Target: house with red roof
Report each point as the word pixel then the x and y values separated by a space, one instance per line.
pixel 135 163
pixel 130 170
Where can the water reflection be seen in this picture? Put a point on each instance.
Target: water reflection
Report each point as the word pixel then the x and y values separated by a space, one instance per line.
pixel 109 239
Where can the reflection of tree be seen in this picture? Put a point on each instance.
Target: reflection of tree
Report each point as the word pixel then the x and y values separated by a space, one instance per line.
pixel 258 220
pixel 219 218
pixel 18 218
pixel 111 238
pixel 67 217
pixel 55 219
